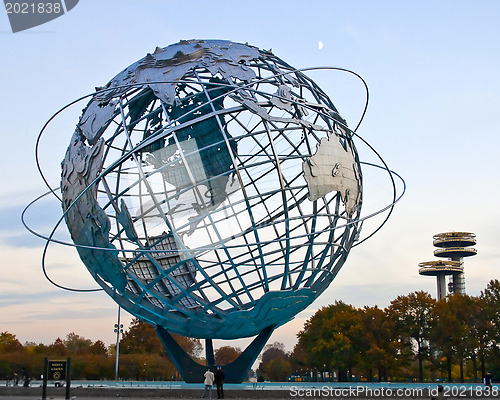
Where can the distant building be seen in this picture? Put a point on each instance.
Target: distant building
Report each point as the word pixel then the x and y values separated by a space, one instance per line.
pixel 454 246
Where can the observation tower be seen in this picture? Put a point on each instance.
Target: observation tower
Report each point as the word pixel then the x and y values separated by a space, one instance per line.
pixel 454 246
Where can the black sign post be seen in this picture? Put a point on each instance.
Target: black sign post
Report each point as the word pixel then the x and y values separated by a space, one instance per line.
pixel 44 386
pixel 57 371
pixel 68 379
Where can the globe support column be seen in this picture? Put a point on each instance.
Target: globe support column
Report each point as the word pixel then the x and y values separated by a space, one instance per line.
pixel 209 352
pixel 192 372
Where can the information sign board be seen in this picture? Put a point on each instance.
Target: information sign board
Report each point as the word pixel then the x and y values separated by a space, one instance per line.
pixel 57 371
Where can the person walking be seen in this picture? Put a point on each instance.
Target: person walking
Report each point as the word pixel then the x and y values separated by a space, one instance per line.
pixel 26 377
pixel 253 379
pixel 209 381
pixel 219 381
pixel 487 380
pixel 15 378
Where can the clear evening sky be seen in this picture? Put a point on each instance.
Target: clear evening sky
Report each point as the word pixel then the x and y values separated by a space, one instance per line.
pixel 434 115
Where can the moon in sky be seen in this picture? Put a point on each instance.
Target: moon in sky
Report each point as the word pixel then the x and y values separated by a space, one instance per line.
pixel 320 45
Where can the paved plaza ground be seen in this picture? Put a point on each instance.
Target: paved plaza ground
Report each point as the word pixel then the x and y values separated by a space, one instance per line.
pixel 32 393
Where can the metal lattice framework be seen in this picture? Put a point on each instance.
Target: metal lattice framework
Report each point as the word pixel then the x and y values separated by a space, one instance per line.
pixel 212 189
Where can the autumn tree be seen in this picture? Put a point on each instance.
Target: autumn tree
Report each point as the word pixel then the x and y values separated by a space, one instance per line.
pixel 412 318
pixel 57 348
pixel 143 353
pixel 140 338
pixel 76 344
pixel 9 343
pixel 491 297
pixel 11 352
pixel 299 359
pixel 98 347
pixel 480 334
pixel 278 369
pixel 380 346
pixel 191 346
pixel 274 362
pixel 226 354
pixel 490 316
pixel 332 337
pixel 272 351
pixel 452 332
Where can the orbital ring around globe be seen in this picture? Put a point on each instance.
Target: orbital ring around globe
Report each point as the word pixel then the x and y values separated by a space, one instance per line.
pixel 52 190
pixel 49 238
pixel 218 203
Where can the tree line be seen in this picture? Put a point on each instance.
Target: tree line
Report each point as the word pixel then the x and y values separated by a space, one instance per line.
pixel 415 338
pixel 141 357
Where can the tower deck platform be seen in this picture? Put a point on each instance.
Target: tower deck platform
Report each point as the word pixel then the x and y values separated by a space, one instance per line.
pixel 454 239
pixel 435 268
pixel 455 252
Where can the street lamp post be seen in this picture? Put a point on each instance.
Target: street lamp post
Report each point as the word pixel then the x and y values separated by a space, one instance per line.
pixel 118 330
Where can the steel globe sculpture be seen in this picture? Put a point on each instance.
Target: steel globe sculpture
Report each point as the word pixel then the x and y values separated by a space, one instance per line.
pixel 213 191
